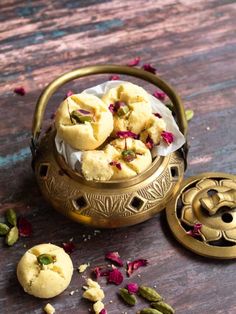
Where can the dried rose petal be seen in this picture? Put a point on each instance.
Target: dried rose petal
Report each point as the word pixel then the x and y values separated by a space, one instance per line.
pixel 147 67
pixel 114 257
pixel 112 108
pixel 115 276
pixel 84 111
pixel 168 137
pixel 196 230
pixel 134 62
pixel 132 287
pixel 126 134
pixel 158 115
pixel 20 91
pixel 24 227
pixel 103 311
pixel 131 266
pixel 116 163
pixel 149 142
pixel 159 95
pixel 114 77
pixel 69 93
pixel 68 247
pixel 100 272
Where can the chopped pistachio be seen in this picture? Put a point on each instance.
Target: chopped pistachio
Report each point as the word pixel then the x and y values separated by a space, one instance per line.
pixel 128 155
pixel 45 259
pixel 122 110
pixel 4 229
pixel 11 216
pixel 12 236
pixel 189 114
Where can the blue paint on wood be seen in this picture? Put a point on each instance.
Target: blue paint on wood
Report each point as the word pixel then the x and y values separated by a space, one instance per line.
pixel 106 25
pixel 8 160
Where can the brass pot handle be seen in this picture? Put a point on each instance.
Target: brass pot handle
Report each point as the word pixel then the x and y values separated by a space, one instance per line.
pixel 102 69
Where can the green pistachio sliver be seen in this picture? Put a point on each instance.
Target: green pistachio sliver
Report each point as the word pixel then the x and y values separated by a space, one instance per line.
pixel 128 155
pixel 12 236
pixel 149 311
pixel 122 110
pixel 149 294
pixel 4 229
pixel 45 259
pixel 79 118
pixel 127 297
pixel 85 118
pixel 11 217
pixel 189 114
pixel 163 307
pixel 169 105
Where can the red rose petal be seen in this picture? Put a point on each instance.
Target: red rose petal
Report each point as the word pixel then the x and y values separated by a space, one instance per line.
pixel 114 77
pixel 24 227
pixel 149 142
pixel 126 134
pixel 69 93
pixel 116 164
pixel 103 311
pixel 84 111
pixel 68 247
pixel 131 266
pixel 134 62
pixel 115 276
pixel 114 257
pixel 132 287
pixel 20 91
pixel 159 95
pixel 147 67
pixel 196 230
pixel 100 272
pixel 168 137
pixel 112 108
pixel 158 115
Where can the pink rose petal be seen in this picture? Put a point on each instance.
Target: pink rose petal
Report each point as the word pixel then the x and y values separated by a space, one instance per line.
pixel 126 134
pixel 158 115
pixel 101 272
pixel 103 311
pixel 196 230
pixel 68 247
pixel 147 67
pixel 115 276
pixel 131 266
pixel 159 95
pixel 69 93
pixel 134 62
pixel 114 77
pixel 112 108
pixel 168 137
pixel 20 90
pixel 149 142
pixel 116 164
pixel 132 287
pixel 114 257
pixel 24 227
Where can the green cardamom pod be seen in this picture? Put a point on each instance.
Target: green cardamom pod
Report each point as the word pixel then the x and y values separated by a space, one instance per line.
pixel 149 294
pixel 12 236
pixel 127 297
pixel 163 307
pixel 149 311
pixel 11 216
pixel 4 229
pixel 189 114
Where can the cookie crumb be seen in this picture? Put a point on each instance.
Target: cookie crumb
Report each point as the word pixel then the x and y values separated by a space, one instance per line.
pixel 49 309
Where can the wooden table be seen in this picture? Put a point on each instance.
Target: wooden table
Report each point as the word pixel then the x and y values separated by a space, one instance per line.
pixel 192 44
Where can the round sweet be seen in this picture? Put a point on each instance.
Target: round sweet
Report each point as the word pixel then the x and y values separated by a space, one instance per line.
pixel 129 157
pixel 83 121
pixel 95 166
pixel 153 129
pixel 45 270
pixel 130 105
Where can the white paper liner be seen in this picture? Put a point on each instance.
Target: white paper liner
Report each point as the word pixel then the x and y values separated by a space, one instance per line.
pixel 73 157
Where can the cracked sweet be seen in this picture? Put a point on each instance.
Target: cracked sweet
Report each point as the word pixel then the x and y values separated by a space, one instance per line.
pixel 45 270
pixel 153 130
pixel 84 121
pixel 129 157
pixel 130 106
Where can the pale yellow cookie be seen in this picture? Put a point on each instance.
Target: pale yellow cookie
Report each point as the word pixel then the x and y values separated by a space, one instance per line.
pixel 132 156
pixel 130 105
pixel 45 270
pixel 154 127
pixel 95 165
pixel 83 121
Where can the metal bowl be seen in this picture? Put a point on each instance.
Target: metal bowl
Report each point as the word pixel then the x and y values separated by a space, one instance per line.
pixel 108 204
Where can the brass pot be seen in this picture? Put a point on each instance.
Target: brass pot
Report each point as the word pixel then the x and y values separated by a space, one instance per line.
pixel 108 204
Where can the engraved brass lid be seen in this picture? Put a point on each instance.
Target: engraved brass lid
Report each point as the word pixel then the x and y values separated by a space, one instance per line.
pixel 202 216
